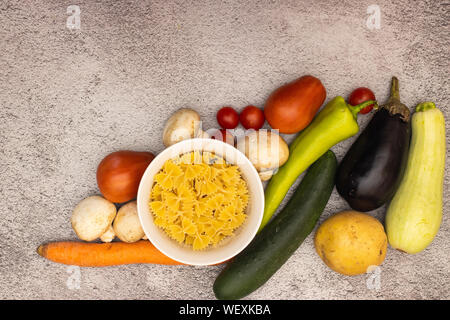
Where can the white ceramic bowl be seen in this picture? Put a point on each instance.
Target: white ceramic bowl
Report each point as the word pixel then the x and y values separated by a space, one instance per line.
pixel 229 247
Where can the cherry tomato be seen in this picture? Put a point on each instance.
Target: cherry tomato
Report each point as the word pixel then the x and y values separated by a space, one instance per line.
pixel 228 118
pixel 223 135
pixel 361 95
pixel 252 118
pixel 119 174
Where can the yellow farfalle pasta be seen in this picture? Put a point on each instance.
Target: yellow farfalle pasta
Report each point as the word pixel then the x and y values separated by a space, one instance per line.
pixel 199 199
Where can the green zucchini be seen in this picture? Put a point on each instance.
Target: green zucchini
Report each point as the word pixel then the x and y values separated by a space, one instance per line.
pixel 415 213
pixel 274 244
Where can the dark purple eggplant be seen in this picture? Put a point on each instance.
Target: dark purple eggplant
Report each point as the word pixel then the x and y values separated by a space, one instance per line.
pixel 372 169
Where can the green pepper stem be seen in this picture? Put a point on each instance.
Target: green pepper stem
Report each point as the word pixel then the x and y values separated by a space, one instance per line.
pixel 395 89
pixel 424 106
pixel 356 109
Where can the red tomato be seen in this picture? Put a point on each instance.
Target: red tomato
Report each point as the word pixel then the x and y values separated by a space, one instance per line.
pixel 223 135
pixel 228 118
pixel 252 118
pixel 119 174
pixel 361 95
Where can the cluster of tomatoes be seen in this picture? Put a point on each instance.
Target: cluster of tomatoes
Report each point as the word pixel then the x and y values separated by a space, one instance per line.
pixel 228 118
pixel 253 117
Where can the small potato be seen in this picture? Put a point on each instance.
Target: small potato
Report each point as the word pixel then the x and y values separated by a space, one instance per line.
pixel 183 124
pixel 265 149
pixel 127 226
pixel 92 217
pixel 350 242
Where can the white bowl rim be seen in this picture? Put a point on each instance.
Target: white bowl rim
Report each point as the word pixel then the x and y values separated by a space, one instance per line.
pixel 198 141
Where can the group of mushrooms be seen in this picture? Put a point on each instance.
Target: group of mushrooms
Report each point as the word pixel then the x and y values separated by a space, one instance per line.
pixel 98 218
pixel 266 150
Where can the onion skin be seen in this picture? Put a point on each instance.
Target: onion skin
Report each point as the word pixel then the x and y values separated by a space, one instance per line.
pixel 119 174
pixel 292 107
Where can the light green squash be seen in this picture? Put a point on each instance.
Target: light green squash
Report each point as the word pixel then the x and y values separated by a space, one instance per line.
pixel 415 213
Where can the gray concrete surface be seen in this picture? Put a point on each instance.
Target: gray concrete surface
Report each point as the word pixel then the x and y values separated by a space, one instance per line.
pixel 69 97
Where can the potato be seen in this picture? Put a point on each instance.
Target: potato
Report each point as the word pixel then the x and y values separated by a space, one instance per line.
pixel 183 124
pixel 92 217
pixel 350 242
pixel 127 226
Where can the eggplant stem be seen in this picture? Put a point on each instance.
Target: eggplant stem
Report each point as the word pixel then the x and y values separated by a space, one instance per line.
pixel 394 105
pixel 395 89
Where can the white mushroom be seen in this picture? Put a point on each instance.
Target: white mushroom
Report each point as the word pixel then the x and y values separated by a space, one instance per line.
pixel 266 150
pixel 92 217
pixel 202 134
pixel 108 236
pixel 265 175
pixel 183 124
pixel 127 226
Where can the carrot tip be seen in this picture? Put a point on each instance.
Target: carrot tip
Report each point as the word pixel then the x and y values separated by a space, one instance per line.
pixel 40 250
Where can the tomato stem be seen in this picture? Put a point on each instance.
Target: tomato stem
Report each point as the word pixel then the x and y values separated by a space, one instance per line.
pixel 356 109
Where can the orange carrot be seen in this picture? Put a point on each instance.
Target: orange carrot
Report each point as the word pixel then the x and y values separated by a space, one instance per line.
pixel 103 254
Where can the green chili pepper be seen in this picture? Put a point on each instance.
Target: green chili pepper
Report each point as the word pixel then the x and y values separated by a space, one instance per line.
pixel 334 123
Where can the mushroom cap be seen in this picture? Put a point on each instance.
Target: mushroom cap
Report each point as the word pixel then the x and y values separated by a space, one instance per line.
pixel 266 150
pixel 182 125
pixel 92 217
pixel 127 225
pixel 265 175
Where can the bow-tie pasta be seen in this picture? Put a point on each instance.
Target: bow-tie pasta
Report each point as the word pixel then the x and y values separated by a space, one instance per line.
pixel 199 199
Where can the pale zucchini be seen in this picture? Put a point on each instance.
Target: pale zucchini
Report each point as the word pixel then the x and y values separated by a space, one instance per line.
pixel 415 213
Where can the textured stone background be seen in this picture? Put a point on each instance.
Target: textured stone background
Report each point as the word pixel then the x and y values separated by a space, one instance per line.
pixel 69 97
